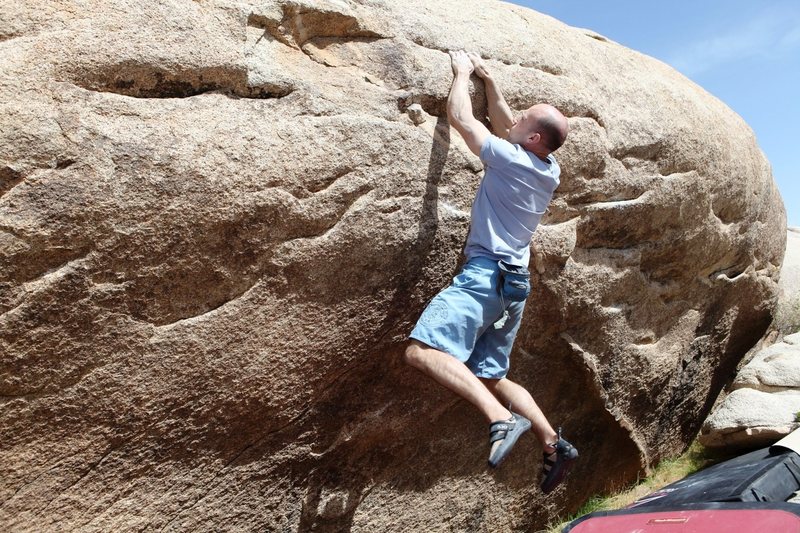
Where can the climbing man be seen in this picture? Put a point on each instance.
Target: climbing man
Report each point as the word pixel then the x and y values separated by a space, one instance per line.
pixel 464 337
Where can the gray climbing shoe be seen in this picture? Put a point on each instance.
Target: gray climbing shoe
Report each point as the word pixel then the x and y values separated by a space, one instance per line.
pixel 555 470
pixel 505 433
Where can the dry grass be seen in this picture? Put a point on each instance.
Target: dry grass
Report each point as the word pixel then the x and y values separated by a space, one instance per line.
pixel 670 470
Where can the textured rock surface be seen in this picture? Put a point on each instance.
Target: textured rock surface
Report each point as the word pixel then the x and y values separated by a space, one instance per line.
pixel 788 313
pixel 764 401
pixel 749 418
pixel 218 223
pixel 773 369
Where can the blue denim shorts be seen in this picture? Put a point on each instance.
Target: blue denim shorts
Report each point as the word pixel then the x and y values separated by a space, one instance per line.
pixel 461 319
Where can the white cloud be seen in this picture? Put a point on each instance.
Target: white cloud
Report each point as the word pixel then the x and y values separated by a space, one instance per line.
pixel 772 33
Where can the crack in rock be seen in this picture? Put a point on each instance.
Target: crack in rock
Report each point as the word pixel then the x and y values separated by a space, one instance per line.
pixel 299 25
pixel 431 104
pixel 9 178
pixel 142 80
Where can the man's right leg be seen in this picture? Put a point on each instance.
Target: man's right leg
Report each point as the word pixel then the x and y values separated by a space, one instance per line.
pixel 522 402
pixel 453 374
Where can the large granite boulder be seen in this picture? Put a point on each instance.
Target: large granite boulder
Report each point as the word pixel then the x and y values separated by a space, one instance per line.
pixel 218 223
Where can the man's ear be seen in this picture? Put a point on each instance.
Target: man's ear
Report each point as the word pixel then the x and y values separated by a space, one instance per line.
pixel 532 141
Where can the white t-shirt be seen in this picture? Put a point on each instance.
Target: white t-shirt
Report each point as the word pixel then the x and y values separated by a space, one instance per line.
pixel 516 188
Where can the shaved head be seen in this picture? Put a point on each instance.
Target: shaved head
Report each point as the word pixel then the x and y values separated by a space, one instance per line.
pixel 541 129
pixel 552 125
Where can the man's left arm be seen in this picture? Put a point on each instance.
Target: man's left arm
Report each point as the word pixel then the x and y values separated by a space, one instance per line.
pixel 499 113
pixel 459 106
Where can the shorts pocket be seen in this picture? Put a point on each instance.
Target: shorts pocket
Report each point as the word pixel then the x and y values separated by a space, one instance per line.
pixel 463 280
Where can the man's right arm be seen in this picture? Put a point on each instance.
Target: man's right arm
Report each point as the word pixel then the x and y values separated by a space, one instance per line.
pixel 459 106
pixel 499 113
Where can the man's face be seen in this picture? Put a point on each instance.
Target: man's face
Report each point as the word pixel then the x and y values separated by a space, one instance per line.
pixel 524 124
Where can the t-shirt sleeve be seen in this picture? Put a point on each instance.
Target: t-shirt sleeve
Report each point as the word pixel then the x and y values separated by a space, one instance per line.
pixel 497 152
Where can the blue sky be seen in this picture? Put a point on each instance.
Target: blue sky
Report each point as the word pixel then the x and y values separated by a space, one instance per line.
pixel 747 54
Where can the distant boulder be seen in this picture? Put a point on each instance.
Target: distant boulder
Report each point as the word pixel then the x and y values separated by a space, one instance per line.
pixel 764 403
pixel 788 313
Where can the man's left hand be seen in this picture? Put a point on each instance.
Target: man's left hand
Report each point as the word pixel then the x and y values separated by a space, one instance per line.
pixel 461 63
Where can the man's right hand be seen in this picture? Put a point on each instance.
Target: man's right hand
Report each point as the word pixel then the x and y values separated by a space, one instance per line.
pixel 479 65
pixel 461 63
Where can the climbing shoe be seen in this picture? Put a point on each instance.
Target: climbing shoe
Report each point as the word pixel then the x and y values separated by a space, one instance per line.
pixel 503 435
pixel 557 464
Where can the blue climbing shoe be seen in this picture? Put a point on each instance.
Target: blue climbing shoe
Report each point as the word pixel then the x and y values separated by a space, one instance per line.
pixel 505 434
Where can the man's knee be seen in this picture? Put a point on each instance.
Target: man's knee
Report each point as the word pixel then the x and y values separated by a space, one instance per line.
pixel 414 354
pixel 491 383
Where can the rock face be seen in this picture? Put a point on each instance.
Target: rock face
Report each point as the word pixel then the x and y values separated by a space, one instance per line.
pixel 218 223
pixel 764 402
